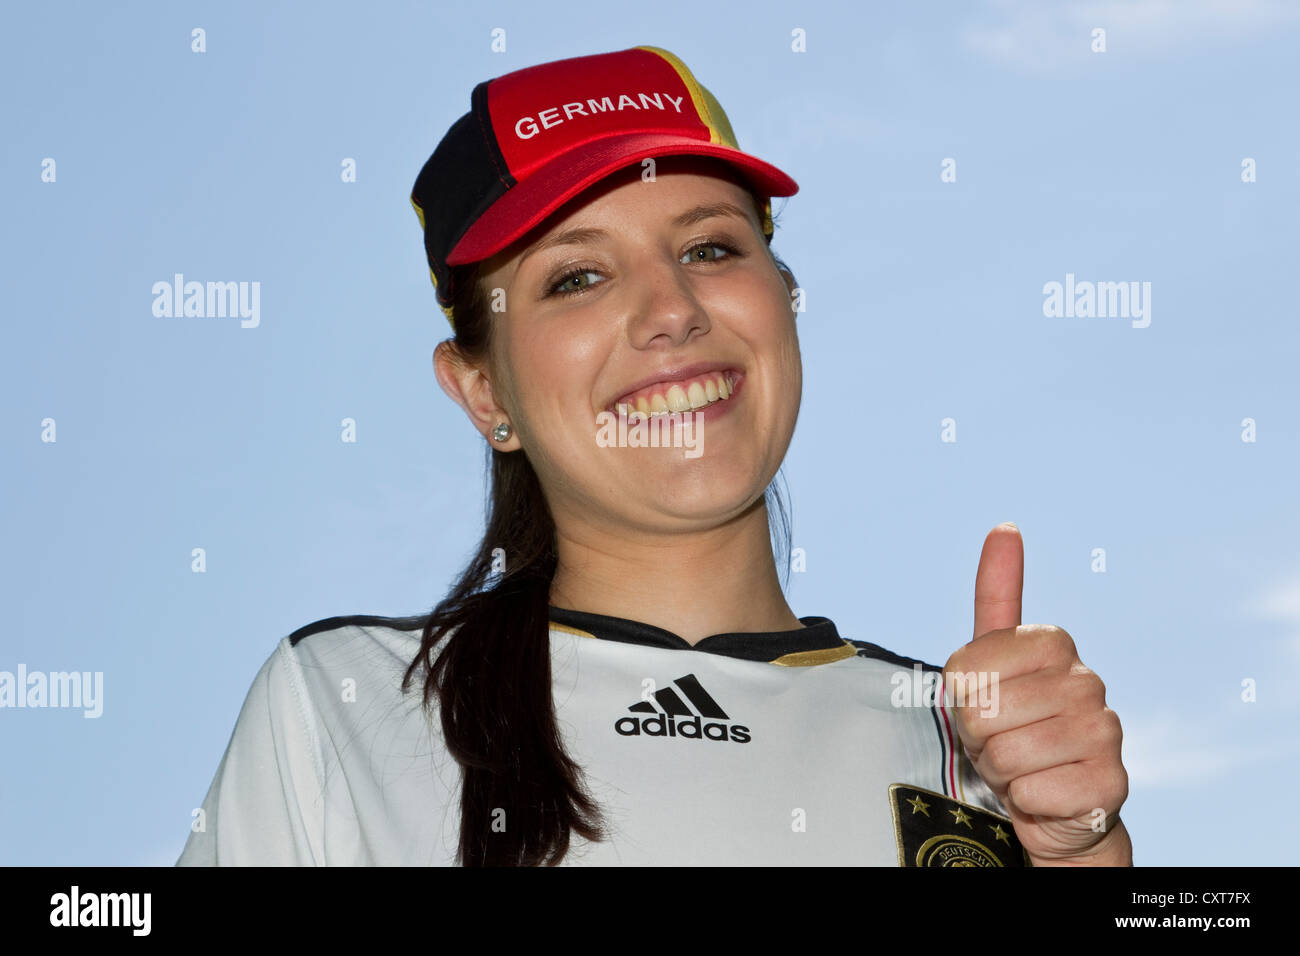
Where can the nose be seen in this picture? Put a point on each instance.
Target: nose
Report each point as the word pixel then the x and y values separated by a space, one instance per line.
pixel 666 310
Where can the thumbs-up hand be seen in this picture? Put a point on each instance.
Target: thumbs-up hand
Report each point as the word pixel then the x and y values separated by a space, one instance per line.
pixel 1050 748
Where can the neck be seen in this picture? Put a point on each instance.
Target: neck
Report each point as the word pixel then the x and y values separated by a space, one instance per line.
pixel 693 584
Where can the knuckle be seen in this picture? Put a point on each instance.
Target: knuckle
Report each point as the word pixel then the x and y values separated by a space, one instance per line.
pixel 1110 789
pixel 1121 785
pixel 1097 686
pixel 1112 730
pixel 953 662
pixel 1111 785
pixel 1086 688
pixel 1057 644
pixel 1062 643
pixel 998 754
pixel 1021 793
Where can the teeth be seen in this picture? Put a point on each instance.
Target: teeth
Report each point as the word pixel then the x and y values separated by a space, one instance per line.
pixel 716 386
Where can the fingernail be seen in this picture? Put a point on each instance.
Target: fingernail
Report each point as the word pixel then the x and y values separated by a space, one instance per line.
pixel 1009 524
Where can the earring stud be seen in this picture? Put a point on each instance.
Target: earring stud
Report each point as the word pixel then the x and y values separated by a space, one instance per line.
pixel 501 432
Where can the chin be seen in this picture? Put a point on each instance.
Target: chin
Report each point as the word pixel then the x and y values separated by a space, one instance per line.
pixel 702 488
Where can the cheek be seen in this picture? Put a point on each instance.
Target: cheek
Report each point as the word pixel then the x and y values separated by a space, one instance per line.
pixel 794 362
pixel 554 379
pixel 774 334
pixel 791 387
pixel 787 375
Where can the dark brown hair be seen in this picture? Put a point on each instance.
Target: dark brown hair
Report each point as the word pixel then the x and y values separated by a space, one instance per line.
pixel 522 795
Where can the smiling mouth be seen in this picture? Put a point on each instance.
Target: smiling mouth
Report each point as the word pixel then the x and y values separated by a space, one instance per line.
pixel 691 394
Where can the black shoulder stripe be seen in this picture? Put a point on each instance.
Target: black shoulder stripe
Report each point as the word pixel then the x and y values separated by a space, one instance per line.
pixel 943 751
pixel 359 620
pixel 875 651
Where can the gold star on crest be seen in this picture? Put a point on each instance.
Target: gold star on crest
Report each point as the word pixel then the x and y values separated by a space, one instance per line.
pixel 1001 834
pixel 959 816
pixel 919 804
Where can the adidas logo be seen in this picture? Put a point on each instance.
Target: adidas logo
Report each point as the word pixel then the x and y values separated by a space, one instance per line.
pixel 675 718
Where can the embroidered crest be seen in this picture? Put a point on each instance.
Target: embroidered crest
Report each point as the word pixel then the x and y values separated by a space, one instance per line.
pixel 934 830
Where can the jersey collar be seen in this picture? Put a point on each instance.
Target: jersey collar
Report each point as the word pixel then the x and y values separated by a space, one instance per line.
pixel 817 642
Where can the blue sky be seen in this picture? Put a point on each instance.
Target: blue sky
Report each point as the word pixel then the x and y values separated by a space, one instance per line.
pixel 924 303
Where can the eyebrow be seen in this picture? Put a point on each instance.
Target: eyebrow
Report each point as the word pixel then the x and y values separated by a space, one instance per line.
pixel 688 218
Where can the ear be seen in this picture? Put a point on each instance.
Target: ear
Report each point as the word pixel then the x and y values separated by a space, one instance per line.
pixel 468 386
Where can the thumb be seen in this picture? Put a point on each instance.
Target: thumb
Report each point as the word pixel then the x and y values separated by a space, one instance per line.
pixel 1000 580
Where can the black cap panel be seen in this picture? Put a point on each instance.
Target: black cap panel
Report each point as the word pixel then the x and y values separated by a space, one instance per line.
pixel 469 157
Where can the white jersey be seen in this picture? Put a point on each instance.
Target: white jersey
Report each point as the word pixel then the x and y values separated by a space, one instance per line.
pixel 785 748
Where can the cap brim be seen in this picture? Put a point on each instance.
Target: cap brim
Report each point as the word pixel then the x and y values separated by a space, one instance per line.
pixel 529 202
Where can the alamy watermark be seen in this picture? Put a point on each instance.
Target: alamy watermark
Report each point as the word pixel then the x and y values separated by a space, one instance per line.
pixel 75 908
pixel 70 689
pixel 212 300
pixel 661 430
pixel 919 688
pixel 1106 300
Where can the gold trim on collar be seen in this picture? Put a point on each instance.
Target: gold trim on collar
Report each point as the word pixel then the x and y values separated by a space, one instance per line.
pixel 824 655
pixel 564 628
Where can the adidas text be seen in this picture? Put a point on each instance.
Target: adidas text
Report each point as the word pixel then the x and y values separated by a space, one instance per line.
pixel 661 725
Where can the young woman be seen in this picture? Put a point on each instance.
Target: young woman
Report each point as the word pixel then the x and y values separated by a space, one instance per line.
pixel 617 677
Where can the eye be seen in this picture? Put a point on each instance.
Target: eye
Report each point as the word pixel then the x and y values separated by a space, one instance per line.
pixel 693 253
pixel 557 288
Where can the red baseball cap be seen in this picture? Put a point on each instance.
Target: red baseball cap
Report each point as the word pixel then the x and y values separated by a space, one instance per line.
pixel 535 138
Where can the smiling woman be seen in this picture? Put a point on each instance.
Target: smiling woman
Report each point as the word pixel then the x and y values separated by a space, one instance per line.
pixel 617 676
pixel 651 323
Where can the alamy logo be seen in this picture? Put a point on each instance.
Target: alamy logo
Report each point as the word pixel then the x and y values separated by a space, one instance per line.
pixel 213 300
pixel 1089 300
pixel 673 717
pixel 76 908
pixel 83 690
